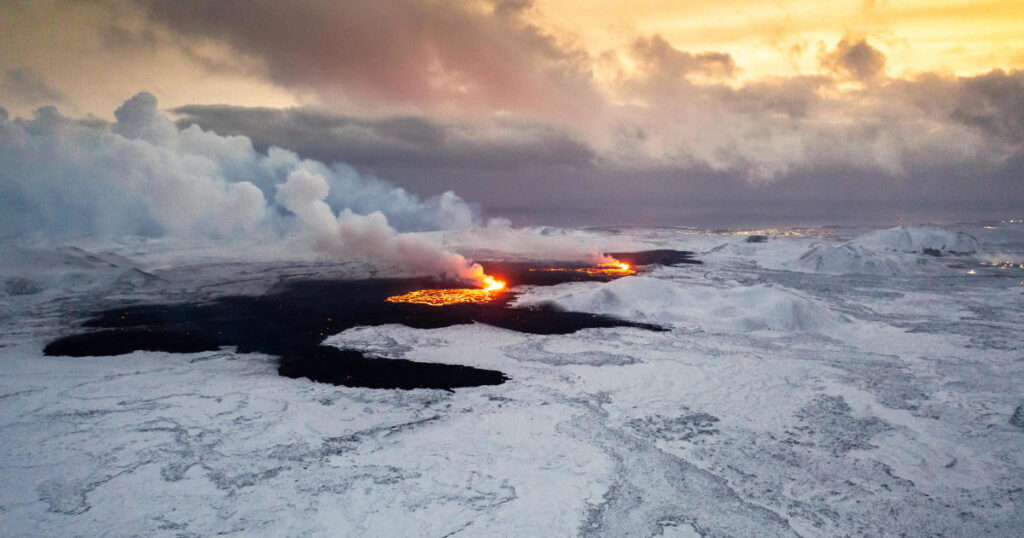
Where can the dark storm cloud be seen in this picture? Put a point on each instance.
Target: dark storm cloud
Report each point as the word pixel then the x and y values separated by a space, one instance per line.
pixel 421 52
pixel 394 142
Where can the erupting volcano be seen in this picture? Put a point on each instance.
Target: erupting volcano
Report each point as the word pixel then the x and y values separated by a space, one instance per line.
pixel 443 297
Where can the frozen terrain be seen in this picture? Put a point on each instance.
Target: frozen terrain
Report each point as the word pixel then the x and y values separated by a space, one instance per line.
pixel 822 382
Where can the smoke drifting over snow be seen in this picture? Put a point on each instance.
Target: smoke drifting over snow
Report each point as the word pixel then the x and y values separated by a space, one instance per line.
pixel 142 175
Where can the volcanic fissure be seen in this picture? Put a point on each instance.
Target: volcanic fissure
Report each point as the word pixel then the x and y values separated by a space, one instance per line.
pixel 292 319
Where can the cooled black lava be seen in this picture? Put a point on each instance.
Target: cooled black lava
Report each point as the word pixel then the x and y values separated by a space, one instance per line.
pixel 292 319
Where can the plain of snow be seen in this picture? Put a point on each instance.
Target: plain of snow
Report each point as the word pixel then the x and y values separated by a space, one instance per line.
pixel 825 382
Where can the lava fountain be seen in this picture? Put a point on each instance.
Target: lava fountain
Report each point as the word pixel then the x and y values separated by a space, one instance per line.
pixel 444 297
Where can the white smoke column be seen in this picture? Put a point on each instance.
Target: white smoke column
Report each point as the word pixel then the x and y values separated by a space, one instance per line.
pixel 348 234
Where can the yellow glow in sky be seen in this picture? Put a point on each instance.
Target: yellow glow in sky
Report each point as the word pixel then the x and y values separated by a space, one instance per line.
pixel 68 45
pixel 784 38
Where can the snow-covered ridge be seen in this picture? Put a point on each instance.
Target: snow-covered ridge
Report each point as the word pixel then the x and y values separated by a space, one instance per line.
pixel 918 240
pixel 849 258
pixel 743 309
pixel 27 271
pixel 892 252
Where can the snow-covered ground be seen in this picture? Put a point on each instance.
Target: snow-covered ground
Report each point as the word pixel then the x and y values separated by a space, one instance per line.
pixel 825 382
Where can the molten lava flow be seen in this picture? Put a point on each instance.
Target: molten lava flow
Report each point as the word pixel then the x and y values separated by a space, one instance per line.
pixel 615 267
pixel 492 287
pixel 608 266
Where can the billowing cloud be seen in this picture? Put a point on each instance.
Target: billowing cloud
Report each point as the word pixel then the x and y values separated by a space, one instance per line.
pixel 346 235
pixel 144 175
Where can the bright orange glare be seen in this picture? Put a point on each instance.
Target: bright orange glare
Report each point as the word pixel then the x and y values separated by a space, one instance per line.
pixel 492 284
pixel 444 297
pixel 610 266
pixel 615 266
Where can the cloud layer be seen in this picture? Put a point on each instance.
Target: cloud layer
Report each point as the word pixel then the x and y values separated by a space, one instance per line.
pixel 490 100
pixel 397 141
pixel 465 55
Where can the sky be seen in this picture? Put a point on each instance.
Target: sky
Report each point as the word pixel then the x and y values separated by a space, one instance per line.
pixel 567 112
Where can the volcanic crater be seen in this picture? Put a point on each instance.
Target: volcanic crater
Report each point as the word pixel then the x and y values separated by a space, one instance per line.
pixel 292 319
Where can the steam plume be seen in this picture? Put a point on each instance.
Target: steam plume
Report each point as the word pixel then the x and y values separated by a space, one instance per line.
pixel 142 175
pixel 370 236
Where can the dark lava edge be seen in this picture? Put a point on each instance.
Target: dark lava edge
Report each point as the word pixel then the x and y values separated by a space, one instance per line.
pixel 293 318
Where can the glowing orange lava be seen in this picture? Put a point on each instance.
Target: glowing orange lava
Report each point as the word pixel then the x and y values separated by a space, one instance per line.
pixel 615 267
pixel 610 267
pixel 492 287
